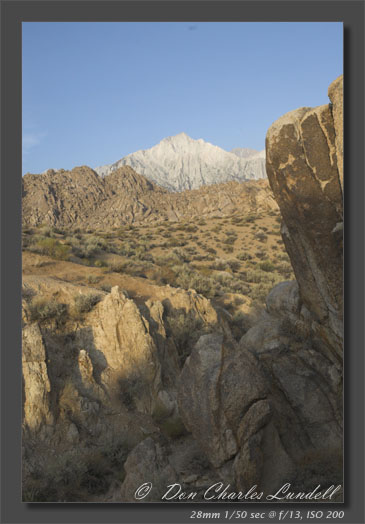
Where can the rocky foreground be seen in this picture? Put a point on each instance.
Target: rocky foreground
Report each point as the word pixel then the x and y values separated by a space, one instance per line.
pixel 117 393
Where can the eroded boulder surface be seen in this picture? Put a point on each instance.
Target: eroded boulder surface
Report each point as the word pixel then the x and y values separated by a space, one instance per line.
pixel 304 167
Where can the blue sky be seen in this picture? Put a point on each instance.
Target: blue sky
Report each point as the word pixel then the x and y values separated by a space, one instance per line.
pixel 95 92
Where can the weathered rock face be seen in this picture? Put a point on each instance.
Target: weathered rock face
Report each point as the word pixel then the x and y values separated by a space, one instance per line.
pixel 335 93
pixel 231 383
pixel 37 387
pixel 117 356
pixel 304 167
pixel 270 410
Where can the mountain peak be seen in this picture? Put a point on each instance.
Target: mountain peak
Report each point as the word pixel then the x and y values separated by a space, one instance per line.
pixel 180 137
pixel 180 162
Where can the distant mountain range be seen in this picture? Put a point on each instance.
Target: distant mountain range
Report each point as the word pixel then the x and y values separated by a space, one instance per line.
pixel 179 162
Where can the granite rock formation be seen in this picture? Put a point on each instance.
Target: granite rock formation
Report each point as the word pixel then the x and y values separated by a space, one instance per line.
pixel 304 166
pixel 80 198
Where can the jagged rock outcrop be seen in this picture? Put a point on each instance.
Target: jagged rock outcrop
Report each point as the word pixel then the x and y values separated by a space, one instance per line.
pixel 115 354
pixel 270 410
pixel 304 166
pixel 80 198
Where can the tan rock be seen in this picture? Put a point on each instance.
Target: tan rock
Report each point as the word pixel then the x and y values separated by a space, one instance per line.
pixel 37 387
pixel 335 93
pixel 303 173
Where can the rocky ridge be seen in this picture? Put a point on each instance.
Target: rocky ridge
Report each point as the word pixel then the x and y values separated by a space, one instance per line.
pixel 80 198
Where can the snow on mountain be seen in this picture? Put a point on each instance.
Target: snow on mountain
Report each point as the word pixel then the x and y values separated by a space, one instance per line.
pixel 180 162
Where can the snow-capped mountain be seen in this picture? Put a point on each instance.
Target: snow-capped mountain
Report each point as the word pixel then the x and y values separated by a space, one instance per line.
pixel 180 162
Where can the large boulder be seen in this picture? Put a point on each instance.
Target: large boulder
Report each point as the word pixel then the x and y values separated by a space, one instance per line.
pixel 269 410
pixel 303 155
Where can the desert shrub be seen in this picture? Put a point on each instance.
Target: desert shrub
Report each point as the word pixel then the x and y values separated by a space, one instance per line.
pixel 118 267
pixel 223 278
pixel 42 309
pixel 191 229
pixel 285 269
pixel 244 256
pixel 93 279
pixel 100 263
pixel 182 254
pixel 259 292
pixel 236 220
pixel 211 250
pixel 239 287
pixel 267 266
pixel 255 276
pixel 85 303
pixel 261 237
pixel 188 279
pixel 95 244
pixel 233 264
pixel 200 257
pixel 250 218
pixel 53 248
pixel 228 249
pixel 229 240
pixel 167 260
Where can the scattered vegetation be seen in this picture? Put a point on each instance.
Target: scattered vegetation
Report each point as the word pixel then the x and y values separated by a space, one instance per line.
pixel 41 309
pixel 85 303
pixel 217 255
